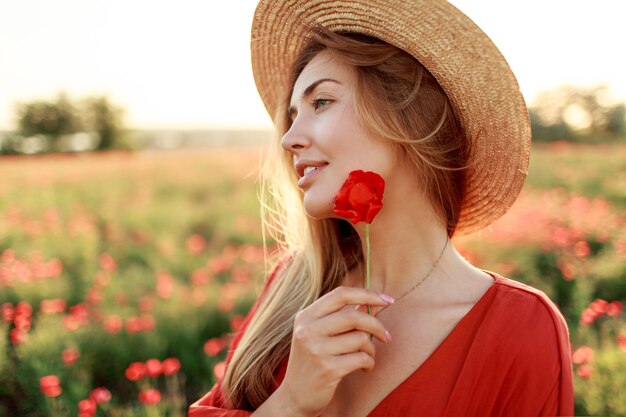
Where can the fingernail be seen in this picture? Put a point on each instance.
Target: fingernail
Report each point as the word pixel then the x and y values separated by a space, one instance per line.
pixel 386 298
pixel 388 336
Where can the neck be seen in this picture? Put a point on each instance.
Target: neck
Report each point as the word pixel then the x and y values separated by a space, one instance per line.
pixel 406 243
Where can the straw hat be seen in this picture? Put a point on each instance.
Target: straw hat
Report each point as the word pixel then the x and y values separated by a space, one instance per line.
pixel 477 79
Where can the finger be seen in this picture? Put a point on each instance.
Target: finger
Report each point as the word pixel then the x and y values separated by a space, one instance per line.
pixel 340 297
pixel 351 342
pixel 348 363
pixel 348 320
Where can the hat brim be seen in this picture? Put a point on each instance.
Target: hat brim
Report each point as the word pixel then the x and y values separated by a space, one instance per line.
pixel 481 87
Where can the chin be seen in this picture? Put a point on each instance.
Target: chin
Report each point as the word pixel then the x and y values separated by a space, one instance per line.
pixel 318 208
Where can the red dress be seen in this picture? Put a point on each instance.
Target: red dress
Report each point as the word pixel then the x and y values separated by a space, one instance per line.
pixel 508 356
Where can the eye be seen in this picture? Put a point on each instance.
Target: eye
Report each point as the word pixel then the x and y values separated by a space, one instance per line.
pixel 318 103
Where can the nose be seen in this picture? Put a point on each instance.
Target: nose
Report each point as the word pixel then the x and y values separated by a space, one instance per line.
pixel 295 139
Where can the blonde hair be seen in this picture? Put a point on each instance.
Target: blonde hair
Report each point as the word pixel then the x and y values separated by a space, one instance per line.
pixel 397 99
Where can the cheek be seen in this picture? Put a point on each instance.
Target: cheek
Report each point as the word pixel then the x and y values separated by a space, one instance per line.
pixel 318 199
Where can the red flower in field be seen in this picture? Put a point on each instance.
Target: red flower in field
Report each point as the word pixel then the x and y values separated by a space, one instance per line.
pixel 140 324
pixel 599 306
pixel 80 311
pixel 588 316
pixel 154 368
pixel 70 355
pixel 100 395
pixel 50 385
pixel 94 296
pixel 102 279
pixel 621 342
pixel 213 347
pixel 23 309
pixel 171 366
pixel 614 309
pixel 71 323
pixel 135 371
pixel 225 304
pixel 567 270
pixel 107 263
pixel 54 306
pixel 200 277
pixel 220 264
pixel 147 323
pixel 360 198
pixel 113 324
pixel 164 285
pixel 54 268
pixel 146 304
pixel 583 354
pixel 22 322
pixel 584 371
pixel 195 244
pixel 219 369
pixel 18 336
pixel 8 312
pixel 87 407
pixel 581 249
pixel 236 322
pixel 150 396
pixel 133 325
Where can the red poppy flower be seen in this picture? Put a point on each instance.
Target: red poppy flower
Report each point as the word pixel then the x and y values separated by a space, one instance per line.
pixel 150 396
pixel 87 407
pixel 100 395
pixel 170 366
pixel 69 356
pixel 219 369
pixel 135 371
pixel 585 371
pixel 195 244
pixel 154 368
pixel 360 198
pixel 614 309
pixel 18 336
pixel 583 354
pixel 213 346
pixel 236 322
pixel 50 385
pixel 113 324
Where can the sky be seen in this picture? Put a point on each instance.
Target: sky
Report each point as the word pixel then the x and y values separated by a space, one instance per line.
pixel 186 63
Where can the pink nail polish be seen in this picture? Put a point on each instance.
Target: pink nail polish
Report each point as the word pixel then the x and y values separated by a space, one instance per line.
pixel 386 298
pixel 388 336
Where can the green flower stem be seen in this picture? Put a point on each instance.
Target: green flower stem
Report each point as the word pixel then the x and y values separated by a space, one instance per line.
pixel 367 263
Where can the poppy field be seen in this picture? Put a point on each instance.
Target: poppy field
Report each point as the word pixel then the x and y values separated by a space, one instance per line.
pixel 124 275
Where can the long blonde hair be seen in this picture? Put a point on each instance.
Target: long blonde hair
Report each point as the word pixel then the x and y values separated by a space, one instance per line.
pixel 396 98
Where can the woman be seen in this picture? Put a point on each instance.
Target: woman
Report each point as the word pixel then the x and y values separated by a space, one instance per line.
pixel 415 92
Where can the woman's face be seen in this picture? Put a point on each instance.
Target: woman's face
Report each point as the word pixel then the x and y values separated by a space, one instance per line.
pixel 325 138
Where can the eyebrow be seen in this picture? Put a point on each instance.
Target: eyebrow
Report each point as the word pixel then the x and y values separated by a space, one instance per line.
pixel 307 91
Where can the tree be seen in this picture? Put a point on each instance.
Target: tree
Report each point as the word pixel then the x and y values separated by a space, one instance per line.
pixel 571 113
pixel 104 118
pixel 52 119
pixel 60 118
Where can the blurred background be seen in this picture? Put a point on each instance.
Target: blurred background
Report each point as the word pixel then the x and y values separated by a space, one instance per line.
pixel 130 237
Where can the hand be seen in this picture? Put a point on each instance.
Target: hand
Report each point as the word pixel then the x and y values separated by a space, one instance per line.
pixel 331 339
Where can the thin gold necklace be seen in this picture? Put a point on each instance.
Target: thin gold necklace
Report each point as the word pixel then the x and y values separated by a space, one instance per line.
pixel 420 282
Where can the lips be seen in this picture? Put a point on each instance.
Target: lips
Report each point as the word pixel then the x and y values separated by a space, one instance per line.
pixel 306 167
